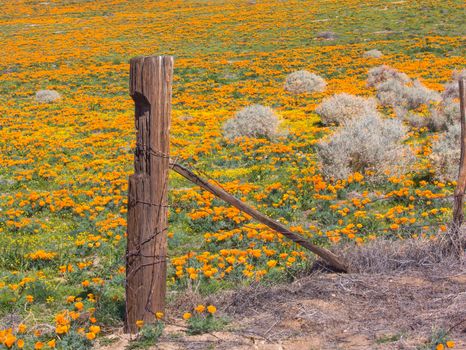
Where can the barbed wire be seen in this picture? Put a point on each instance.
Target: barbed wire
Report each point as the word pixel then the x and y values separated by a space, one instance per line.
pixel 324 238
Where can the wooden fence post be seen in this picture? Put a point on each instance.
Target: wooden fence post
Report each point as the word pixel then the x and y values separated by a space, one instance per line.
pixel 458 214
pixel 150 88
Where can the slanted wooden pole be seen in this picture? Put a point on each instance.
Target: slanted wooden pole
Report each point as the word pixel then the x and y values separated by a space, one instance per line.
pixel 325 254
pixel 458 214
pixel 146 269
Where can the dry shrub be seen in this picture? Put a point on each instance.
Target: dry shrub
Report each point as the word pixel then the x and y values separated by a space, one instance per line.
pixel 439 117
pixel 374 53
pixel 444 114
pixel 302 81
pixel 405 97
pixel 451 88
pixel 342 107
pixel 383 255
pixel 252 121
pixel 419 121
pixel 397 90
pixel 443 110
pixel 449 111
pixel 47 96
pixel 369 143
pixel 430 121
pixel 381 74
pixel 445 156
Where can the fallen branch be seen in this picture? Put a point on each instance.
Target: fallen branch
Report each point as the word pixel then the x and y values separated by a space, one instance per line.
pixel 325 254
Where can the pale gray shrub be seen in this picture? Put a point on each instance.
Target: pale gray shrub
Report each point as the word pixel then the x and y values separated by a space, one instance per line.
pixel 343 107
pixel 302 81
pixel 440 116
pixel 389 92
pixel 374 53
pixel 252 121
pixel 445 156
pixel 417 94
pixel 433 122
pixel 381 74
pixel 451 111
pixel 416 120
pixel 369 143
pixel 451 90
pixel 47 96
pixel 444 114
pixel 404 97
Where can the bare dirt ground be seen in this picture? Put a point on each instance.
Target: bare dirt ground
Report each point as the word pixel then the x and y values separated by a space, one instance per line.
pixel 394 310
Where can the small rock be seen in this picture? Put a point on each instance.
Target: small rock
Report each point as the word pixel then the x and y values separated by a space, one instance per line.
pixel 47 96
pixel 6 182
pixel 373 53
pixel 328 35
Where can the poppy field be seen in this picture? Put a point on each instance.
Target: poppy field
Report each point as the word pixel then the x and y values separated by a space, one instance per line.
pixel 65 164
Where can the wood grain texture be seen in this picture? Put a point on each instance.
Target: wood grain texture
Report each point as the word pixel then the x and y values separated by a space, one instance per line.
pixel 150 87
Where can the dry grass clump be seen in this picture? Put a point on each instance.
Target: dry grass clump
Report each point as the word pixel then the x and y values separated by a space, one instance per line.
pixel 302 81
pixel 381 74
pixel 367 144
pixel 445 156
pixel 340 108
pixel 383 255
pixel 252 121
pixel 374 53
pixel 451 88
pixel 47 96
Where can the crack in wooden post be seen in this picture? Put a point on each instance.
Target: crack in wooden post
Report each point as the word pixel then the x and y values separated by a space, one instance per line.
pixel 150 88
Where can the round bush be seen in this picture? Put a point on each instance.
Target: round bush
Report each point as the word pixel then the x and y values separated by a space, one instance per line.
pixel 381 74
pixel 47 96
pixel 405 97
pixel 445 156
pixel 302 81
pixel 252 121
pixel 452 90
pixel 373 54
pixel 367 144
pixel 342 107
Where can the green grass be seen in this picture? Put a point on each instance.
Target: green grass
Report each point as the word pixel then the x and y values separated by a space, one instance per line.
pixel 82 49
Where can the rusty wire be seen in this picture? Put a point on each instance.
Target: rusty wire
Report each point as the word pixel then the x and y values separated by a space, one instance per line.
pixel 141 149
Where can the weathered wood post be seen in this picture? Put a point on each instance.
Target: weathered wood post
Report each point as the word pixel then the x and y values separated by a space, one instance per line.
pixel 458 215
pixel 150 87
